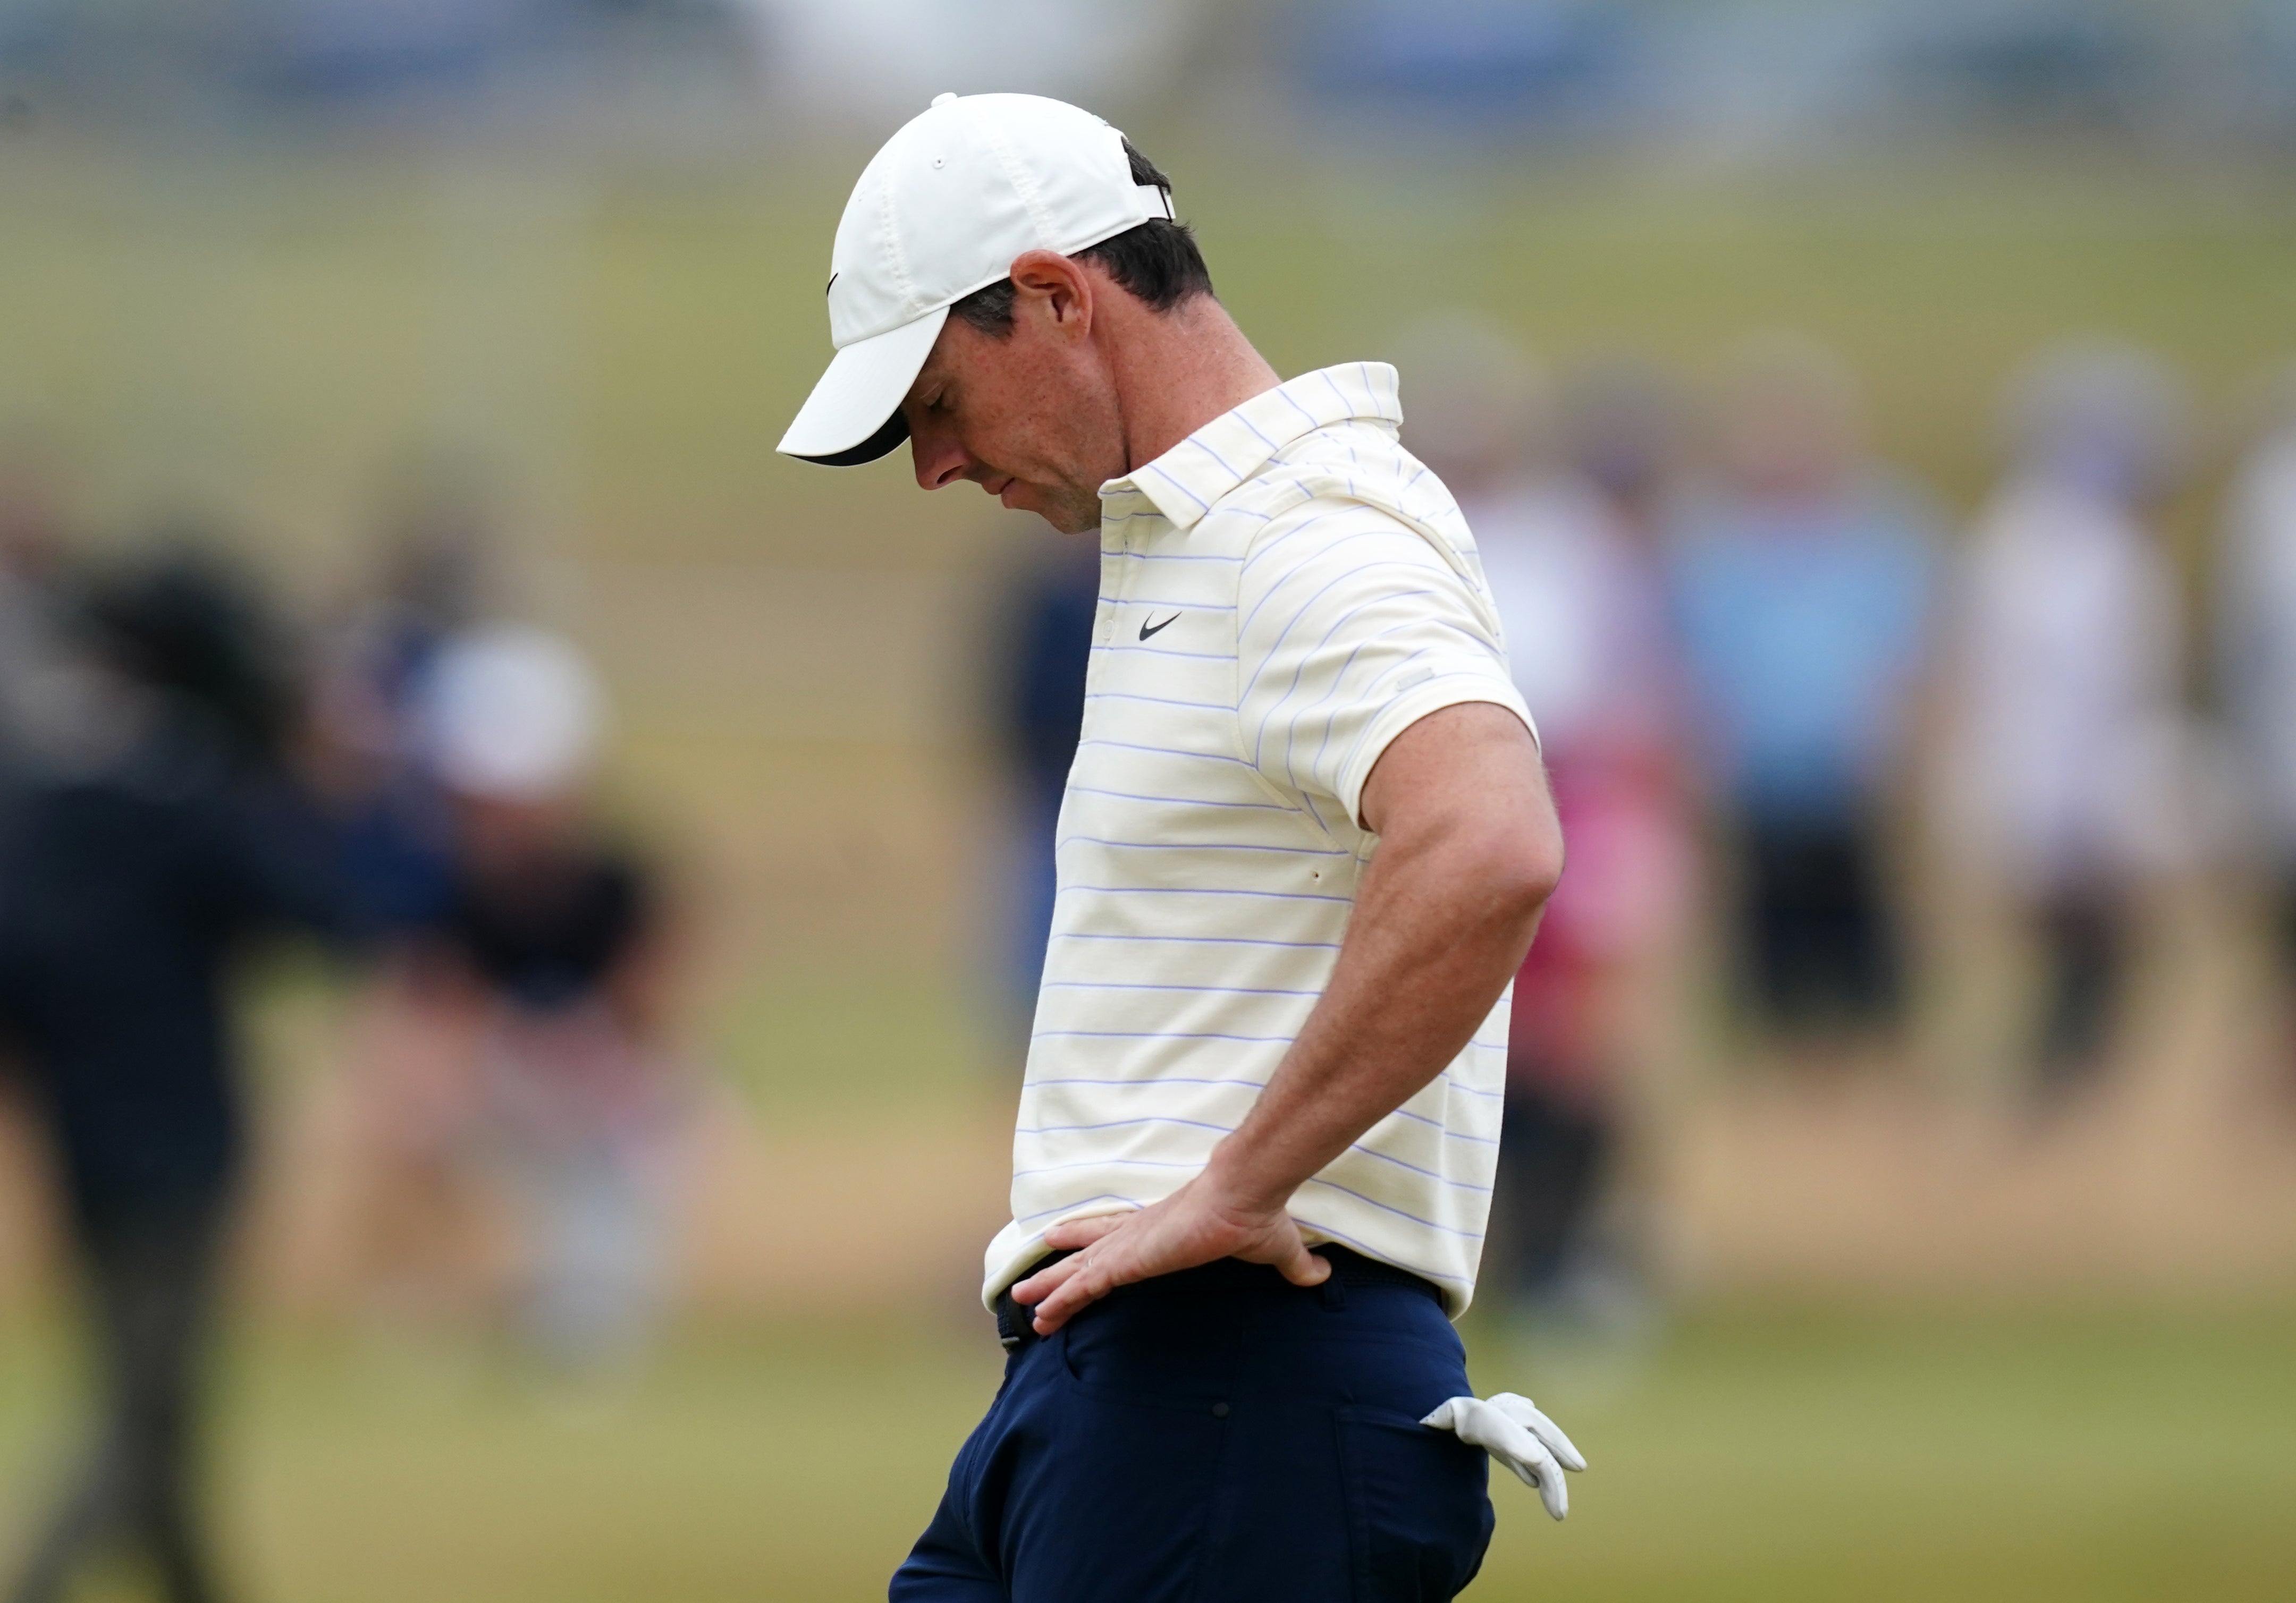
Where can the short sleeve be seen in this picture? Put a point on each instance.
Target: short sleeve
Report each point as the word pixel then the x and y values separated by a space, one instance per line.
pixel 1352 627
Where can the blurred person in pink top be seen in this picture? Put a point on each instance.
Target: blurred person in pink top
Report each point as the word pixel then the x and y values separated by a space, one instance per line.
pixel 1568 495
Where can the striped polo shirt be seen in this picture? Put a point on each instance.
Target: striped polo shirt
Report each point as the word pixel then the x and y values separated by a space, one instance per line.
pixel 1282 594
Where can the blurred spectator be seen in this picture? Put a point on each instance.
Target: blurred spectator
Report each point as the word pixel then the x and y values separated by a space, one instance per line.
pixel 551 943
pixel 1571 554
pixel 2065 697
pixel 436 539
pixel 2256 644
pixel 32 649
pixel 148 837
pixel 414 1201
pixel 516 1034
pixel 1045 648
pixel 1803 583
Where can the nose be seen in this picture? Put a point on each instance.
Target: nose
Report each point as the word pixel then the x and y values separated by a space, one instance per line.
pixel 934 451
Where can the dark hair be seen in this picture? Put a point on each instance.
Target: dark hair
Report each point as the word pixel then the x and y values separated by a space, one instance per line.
pixel 185 621
pixel 1156 262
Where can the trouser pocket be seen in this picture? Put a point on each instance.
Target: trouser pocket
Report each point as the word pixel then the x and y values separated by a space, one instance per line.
pixel 1419 1508
pixel 1108 1496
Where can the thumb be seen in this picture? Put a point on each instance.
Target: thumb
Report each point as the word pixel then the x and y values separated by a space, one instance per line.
pixel 1301 1267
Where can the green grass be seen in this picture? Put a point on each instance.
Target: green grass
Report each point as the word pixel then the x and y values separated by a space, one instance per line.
pixel 2109 1457
pixel 791 1048
pixel 1762 1455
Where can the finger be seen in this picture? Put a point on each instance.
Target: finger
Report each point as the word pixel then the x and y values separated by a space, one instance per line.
pixel 1046 1280
pixel 1548 1431
pixel 1305 1267
pixel 1525 1413
pixel 1283 1249
pixel 1075 1293
pixel 1071 1236
pixel 1552 1490
pixel 1536 1468
pixel 1072 1233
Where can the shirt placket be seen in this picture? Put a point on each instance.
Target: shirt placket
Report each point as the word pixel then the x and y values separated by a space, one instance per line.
pixel 1117 577
pixel 1110 602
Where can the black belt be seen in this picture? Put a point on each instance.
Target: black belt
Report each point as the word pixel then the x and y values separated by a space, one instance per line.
pixel 1015 1328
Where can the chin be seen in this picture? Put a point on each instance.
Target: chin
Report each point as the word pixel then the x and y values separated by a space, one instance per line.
pixel 1072 514
pixel 1069 513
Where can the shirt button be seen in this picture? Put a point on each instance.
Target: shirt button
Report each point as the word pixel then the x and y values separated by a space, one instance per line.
pixel 1219 1411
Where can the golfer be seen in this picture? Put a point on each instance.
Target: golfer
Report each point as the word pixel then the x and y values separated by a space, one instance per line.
pixel 1303 849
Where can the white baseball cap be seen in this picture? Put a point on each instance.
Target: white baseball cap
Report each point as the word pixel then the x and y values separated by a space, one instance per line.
pixel 511 713
pixel 941 211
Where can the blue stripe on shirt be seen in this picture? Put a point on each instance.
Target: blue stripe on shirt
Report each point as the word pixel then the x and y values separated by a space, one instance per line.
pixel 1161 650
pixel 1202 845
pixel 1163 751
pixel 1201 940
pixel 1183 801
pixel 1159 1035
pixel 1389 1207
pixel 1189 890
pixel 1121 1123
pixel 1088 984
pixel 1365 1248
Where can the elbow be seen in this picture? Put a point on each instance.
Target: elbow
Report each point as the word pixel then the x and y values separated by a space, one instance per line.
pixel 1523 867
pixel 1539 876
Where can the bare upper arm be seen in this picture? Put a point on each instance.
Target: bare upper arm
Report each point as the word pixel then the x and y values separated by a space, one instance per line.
pixel 1472 765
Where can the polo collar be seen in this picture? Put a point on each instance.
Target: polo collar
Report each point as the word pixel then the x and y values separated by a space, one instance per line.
pixel 1187 481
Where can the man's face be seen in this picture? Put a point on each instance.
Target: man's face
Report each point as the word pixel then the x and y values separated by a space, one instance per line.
pixel 1030 416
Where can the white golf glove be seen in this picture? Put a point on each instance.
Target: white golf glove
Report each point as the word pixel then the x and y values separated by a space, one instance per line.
pixel 1518 1435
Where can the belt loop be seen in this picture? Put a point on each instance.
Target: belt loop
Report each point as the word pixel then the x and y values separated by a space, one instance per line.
pixel 1013 1323
pixel 1335 1296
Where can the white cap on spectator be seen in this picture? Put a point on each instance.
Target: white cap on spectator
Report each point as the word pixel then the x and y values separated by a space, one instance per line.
pixel 941 211
pixel 512 713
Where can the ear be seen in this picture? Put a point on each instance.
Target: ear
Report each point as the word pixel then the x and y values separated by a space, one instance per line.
pixel 1049 286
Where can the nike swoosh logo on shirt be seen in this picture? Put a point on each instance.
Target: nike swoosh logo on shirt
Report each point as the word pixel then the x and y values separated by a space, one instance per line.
pixel 1145 631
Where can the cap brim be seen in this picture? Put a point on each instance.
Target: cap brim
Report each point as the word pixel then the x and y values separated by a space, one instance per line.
pixel 854 413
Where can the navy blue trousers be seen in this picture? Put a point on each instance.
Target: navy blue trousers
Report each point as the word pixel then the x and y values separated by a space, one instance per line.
pixel 1218 1437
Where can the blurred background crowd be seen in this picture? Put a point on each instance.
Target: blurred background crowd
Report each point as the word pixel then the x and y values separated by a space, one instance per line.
pixel 520 910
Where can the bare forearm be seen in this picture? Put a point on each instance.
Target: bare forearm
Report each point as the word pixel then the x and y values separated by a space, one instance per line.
pixel 1436 936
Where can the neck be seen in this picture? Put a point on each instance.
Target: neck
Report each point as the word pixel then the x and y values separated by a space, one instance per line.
pixel 1177 371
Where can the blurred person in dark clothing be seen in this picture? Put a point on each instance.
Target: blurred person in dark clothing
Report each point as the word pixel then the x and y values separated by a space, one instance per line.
pixel 435 537
pixel 411 1205
pixel 34 578
pixel 552 942
pixel 1046 646
pixel 2066 705
pixel 154 835
pixel 1803 586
